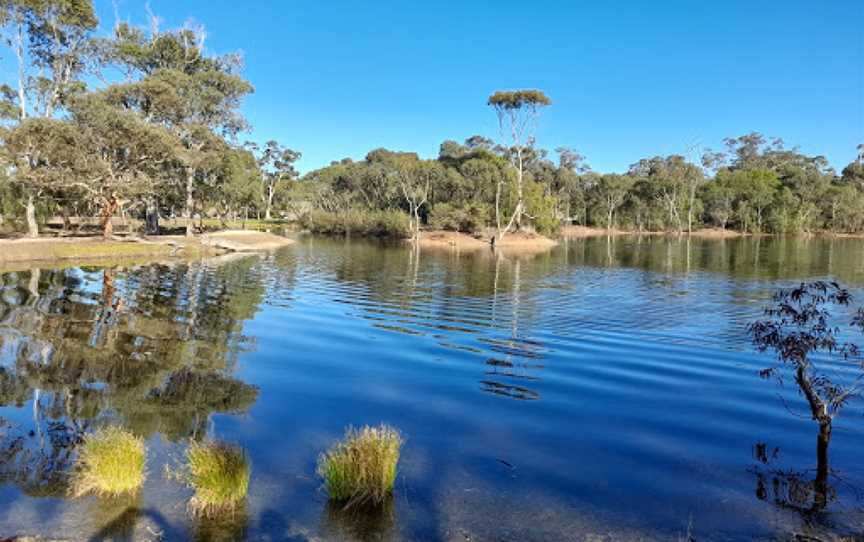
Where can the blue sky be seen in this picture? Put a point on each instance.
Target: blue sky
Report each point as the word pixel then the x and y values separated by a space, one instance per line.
pixel 627 79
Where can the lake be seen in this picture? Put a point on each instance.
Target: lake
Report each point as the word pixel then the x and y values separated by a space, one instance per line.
pixel 605 390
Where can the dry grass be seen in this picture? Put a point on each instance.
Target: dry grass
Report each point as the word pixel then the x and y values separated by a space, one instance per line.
pixel 219 473
pixel 361 468
pixel 110 463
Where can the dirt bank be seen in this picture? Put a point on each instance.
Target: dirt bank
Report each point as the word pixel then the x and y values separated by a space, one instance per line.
pixel 451 240
pixel 48 249
pixel 525 240
pixel 244 240
pixel 512 242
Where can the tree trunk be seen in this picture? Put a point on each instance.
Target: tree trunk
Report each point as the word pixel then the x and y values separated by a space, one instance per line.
pixel 269 202
pixel 190 200
pixel 152 216
pixel 820 484
pixel 416 232
pixel 520 208
pixel 109 208
pixel 30 213
pixel 19 52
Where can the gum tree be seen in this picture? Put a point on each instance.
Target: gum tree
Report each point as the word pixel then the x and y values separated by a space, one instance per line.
pixel 194 96
pixel 276 164
pixel 517 114
pixel 799 330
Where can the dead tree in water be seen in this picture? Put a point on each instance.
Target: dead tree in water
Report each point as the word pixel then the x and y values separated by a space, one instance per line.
pixel 798 328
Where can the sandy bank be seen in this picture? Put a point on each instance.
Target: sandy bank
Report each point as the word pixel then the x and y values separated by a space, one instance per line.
pixel 451 240
pixel 512 242
pixel 525 240
pixel 49 249
pixel 245 240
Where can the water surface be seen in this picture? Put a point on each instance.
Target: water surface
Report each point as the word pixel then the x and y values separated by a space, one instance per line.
pixel 605 389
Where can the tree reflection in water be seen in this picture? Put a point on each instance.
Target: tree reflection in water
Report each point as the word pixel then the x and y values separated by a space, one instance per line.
pixel 152 348
pixel 807 492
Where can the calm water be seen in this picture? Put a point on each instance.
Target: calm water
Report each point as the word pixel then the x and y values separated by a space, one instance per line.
pixel 603 391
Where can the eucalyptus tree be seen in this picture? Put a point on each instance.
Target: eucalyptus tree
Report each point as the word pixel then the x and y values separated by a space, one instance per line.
pixel 610 193
pixel 854 173
pixel 238 183
pixel 193 96
pixel 45 158
pixel 810 347
pixel 517 114
pixel 13 17
pixel 276 166
pixel 672 179
pixel 133 157
pixel 52 38
pixel 101 155
pixel 569 184
pixel 62 49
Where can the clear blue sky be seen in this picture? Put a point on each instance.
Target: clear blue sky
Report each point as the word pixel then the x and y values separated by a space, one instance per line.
pixel 627 79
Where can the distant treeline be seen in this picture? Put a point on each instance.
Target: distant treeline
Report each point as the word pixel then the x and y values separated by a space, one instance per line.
pixel 145 123
pixel 752 186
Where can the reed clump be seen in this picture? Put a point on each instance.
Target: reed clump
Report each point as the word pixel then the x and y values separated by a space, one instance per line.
pixel 361 468
pixel 219 473
pixel 110 464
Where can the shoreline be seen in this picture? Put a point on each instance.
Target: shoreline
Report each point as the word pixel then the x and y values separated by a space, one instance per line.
pixel 512 242
pixel 578 232
pixel 29 252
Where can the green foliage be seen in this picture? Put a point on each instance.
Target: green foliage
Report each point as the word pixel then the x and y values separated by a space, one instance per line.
pixel 110 463
pixel 517 99
pixel 359 222
pixel 219 473
pixel 541 208
pixel 468 218
pixel 361 468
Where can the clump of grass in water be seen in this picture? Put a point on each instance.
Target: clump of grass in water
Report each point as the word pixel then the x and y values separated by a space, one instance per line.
pixel 361 468
pixel 110 463
pixel 219 474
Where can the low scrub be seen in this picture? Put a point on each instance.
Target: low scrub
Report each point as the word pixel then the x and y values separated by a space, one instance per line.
pixel 110 463
pixel 361 468
pixel 219 473
pixel 467 218
pixel 353 222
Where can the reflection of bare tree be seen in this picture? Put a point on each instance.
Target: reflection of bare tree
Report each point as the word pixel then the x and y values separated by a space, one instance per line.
pixel 514 349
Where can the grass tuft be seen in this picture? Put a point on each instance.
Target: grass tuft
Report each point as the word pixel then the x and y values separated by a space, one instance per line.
pixel 110 463
pixel 219 474
pixel 361 468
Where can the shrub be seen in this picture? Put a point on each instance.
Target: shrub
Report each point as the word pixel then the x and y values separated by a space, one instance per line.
pixel 358 222
pixel 110 463
pixel 361 468
pixel 468 218
pixel 219 474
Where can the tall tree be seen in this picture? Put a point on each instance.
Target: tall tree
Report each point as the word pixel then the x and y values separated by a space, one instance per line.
pixel 194 96
pixel 276 165
pixel 517 113
pixel 61 47
pixel 610 192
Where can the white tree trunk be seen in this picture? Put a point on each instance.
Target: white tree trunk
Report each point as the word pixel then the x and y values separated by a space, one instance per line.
pixel 30 213
pixel 22 76
pixel 190 200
